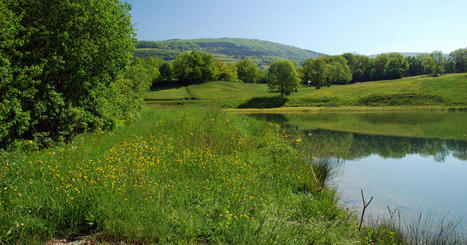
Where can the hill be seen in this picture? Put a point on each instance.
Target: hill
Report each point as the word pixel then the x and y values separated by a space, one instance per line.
pixel 447 90
pixel 226 49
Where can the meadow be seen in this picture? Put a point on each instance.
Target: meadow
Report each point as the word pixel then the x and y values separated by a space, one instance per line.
pixel 447 90
pixel 177 175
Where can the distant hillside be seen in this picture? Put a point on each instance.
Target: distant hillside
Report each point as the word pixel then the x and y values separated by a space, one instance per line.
pixel 227 49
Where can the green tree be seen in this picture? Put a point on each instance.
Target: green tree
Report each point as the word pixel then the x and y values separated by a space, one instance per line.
pixel 429 65
pixel 166 72
pixel 379 65
pixel 226 71
pixel 282 76
pixel 194 67
pixel 396 67
pixel 315 71
pixel 248 71
pixel 440 59
pixel 340 72
pixel 459 58
pixel 62 63
pixel 360 65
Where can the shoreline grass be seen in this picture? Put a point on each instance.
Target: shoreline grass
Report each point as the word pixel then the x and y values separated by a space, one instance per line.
pixel 179 175
pixel 347 109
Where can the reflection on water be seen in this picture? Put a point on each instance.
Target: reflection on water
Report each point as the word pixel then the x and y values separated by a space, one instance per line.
pixel 412 161
pixel 352 146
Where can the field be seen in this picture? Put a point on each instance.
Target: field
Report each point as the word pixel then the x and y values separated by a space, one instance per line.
pixel 447 90
pixel 172 177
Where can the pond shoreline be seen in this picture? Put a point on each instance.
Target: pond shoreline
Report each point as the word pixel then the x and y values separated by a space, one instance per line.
pixel 348 109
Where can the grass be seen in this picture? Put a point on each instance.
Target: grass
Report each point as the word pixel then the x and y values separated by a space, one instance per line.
pixel 447 90
pixel 180 93
pixel 179 175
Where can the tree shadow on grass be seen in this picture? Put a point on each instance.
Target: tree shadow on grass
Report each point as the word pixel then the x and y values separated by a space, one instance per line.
pixel 264 102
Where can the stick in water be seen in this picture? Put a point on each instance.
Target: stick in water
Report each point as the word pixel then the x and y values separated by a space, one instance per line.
pixel 365 205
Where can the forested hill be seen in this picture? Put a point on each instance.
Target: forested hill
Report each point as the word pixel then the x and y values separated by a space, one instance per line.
pixel 227 49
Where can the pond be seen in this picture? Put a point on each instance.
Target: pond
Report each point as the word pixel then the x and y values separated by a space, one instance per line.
pixel 413 161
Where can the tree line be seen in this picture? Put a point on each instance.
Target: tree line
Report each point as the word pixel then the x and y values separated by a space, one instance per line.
pixel 197 67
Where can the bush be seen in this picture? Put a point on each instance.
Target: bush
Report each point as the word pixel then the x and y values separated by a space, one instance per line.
pixel 59 63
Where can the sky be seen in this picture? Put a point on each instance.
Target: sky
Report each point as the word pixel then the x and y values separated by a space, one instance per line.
pixel 328 26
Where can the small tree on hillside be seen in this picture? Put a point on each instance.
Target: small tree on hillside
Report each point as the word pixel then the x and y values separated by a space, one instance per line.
pixel 283 77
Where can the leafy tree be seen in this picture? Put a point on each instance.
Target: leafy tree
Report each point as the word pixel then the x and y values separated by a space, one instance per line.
pixel 130 88
pixel 429 65
pixel 396 67
pixel 194 67
pixel 379 65
pixel 459 58
pixel 166 72
pixel 248 71
pixel 60 67
pixel 283 77
pixel 226 71
pixel 360 65
pixel 151 66
pixel 440 61
pixel 341 73
pixel 326 70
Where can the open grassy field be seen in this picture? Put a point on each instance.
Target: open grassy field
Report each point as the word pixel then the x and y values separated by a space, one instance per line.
pixel 447 90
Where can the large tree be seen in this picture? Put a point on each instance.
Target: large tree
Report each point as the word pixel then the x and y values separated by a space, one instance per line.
pixel 226 71
pixel 248 71
pixel 327 70
pixel 380 61
pixel 459 58
pixel 283 76
pixel 60 67
pixel 396 67
pixel 194 67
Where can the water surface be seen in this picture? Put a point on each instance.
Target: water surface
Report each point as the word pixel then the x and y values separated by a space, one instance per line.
pixel 413 161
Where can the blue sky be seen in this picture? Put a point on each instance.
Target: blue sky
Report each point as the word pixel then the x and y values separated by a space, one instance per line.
pixel 332 27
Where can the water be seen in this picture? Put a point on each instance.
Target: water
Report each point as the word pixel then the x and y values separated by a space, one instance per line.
pixel 412 161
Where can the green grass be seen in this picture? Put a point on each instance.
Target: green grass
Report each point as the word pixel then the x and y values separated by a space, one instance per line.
pixel 447 90
pixel 180 93
pixel 179 175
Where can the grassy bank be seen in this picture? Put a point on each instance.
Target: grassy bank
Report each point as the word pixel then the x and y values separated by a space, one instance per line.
pixel 179 175
pixel 448 90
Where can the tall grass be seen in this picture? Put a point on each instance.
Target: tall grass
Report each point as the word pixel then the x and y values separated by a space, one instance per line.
pixel 179 175
pixel 419 229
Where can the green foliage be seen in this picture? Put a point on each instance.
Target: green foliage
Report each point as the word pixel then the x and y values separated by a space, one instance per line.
pixel 226 71
pixel 194 67
pixel 248 71
pixel 396 67
pixel 131 88
pixel 60 68
pixel 166 72
pixel 379 65
pixel 283 77
pixel 360 65
pixel 459 58
pixel 263 53
pixel 327 70
pixel 429 65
